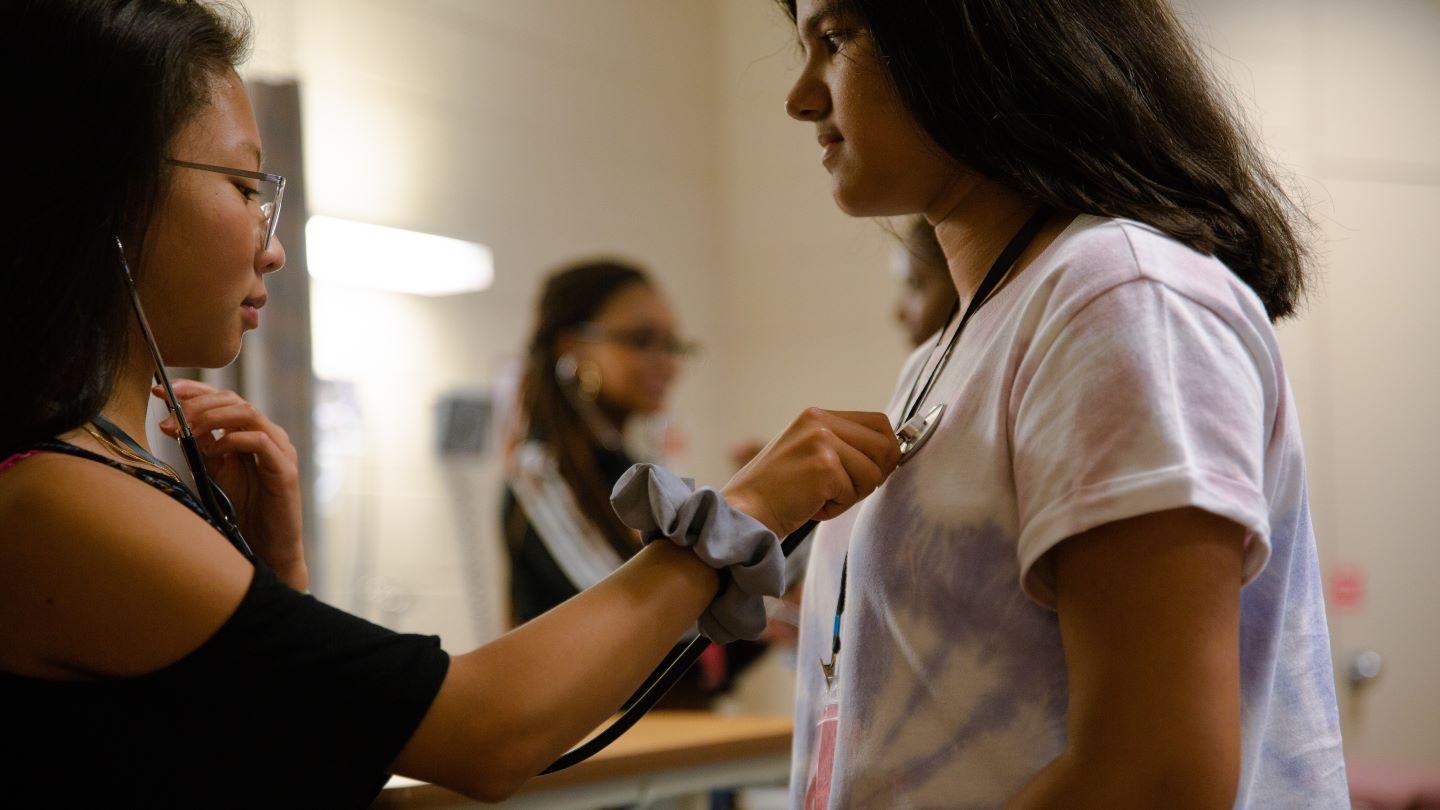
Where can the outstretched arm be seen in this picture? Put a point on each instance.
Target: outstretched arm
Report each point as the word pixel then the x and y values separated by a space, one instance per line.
pixel 511 707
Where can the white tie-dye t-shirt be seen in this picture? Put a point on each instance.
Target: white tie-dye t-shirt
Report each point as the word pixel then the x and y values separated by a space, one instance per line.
pixel 1119 374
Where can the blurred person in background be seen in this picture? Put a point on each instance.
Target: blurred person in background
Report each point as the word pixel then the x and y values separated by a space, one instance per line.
pixel 927 294
pixel 601 362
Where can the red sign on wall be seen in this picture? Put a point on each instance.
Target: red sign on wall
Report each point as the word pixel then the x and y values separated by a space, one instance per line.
pixel 1347 588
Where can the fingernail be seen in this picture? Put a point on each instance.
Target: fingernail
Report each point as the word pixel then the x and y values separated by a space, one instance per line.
pixel 167 424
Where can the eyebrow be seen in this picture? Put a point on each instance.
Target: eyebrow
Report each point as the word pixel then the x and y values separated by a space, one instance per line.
pixel 829 8
pixel 259 156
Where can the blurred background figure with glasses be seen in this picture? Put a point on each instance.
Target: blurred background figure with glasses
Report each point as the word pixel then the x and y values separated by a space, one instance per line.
pixel 600 363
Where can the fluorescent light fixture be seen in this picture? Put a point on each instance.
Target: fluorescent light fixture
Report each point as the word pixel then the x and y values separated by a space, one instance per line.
pixel 394 260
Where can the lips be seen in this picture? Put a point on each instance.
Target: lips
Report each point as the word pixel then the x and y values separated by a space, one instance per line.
pixel 830 141
pixel 250 310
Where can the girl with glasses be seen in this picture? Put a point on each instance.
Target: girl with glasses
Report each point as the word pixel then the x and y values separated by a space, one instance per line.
pixel 601 360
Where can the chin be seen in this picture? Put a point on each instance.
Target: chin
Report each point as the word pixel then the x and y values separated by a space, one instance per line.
pixel 218 356
pixel 852 198
pixel 202 348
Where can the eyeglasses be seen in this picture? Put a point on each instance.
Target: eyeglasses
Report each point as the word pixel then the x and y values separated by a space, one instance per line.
pixel 648 341
pixel 269 194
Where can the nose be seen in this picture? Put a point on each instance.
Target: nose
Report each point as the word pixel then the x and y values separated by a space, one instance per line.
pixel 272 258
pixel 808 100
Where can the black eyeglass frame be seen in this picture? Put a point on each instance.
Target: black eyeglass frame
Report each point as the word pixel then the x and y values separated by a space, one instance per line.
pixel 673 347
pixel 272 217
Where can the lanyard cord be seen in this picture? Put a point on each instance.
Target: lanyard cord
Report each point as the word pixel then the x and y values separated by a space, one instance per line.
pixel 674 666
pixel 114 433
pixel 217 505
pixel 1004 263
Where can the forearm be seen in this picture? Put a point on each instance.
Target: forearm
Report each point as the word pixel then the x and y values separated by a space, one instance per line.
pixel 1116 781
pixel 508 709
pixel 553 680
pixel 1065 783
pixel 280 541
pixel 287 560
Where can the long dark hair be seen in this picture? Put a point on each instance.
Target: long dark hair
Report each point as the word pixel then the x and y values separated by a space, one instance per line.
pixel 1095 106
pixel 97 91
pixel 570 297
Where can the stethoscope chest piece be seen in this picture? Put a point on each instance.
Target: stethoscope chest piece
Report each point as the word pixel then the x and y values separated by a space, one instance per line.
pixel 917 431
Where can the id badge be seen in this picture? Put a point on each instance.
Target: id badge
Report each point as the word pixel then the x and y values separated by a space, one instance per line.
pixel 822 757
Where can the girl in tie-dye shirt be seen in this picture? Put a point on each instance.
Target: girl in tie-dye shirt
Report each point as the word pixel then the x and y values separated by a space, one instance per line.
pixel 1096 584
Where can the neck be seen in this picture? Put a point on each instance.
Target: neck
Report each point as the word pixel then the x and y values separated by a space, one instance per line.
pixel 973 225
pixel 130 401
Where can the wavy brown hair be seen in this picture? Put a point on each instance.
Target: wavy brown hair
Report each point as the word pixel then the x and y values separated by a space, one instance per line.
pixel 569 298
pixel 1096 106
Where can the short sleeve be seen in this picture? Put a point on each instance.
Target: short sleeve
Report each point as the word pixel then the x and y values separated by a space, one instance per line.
pixel 1143 400
pixel 317 700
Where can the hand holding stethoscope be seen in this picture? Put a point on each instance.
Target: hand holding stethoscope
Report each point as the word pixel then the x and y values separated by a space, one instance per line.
pixel 253 461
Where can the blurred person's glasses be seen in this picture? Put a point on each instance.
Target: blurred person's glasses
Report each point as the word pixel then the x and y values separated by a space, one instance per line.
pixel 647 341
pixel 268 192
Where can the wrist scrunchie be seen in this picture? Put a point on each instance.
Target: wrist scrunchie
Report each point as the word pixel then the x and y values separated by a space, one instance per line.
pixel 660 504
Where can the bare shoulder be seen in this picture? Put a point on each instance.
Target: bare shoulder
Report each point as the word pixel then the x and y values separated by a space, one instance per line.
pixel 102 575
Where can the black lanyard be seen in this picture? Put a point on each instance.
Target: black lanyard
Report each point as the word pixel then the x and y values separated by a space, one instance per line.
pixel 997 273
pixel 216 503
pixel 115 432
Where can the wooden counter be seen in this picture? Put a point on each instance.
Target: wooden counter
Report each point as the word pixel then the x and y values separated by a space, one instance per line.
pixel 665 755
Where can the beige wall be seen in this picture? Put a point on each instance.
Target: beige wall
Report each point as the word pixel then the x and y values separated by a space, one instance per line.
pixel 808 290
pixel 544 129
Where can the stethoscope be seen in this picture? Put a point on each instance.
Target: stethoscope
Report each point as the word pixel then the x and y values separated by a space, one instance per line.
pixel 212 498
pixel 914 431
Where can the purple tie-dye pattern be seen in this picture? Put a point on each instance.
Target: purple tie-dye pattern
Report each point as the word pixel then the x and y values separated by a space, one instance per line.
pixel 962 582
pixel 958 584
pixel 1290 688
pixel 953 681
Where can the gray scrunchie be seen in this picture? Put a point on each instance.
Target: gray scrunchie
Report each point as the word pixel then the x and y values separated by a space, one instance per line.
pixel 660 504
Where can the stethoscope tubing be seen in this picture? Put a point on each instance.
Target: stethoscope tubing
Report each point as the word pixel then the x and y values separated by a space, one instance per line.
pixel 661 681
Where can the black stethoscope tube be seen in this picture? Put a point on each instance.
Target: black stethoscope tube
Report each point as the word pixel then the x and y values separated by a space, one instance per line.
pixel 660 682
